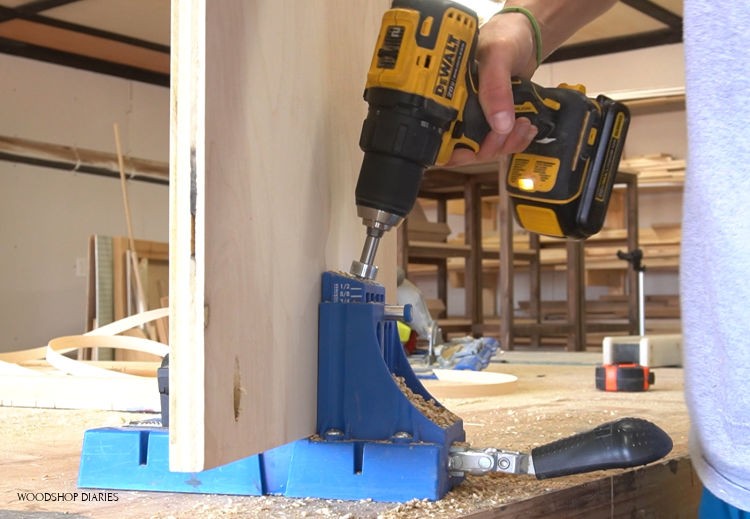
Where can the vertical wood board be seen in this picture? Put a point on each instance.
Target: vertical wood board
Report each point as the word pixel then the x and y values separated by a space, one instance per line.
pixel 266 113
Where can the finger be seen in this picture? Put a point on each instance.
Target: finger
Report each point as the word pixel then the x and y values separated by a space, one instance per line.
pixel 517 140
pixel 520 138
pixel 490 148
pixel 461 156
pixel 494 144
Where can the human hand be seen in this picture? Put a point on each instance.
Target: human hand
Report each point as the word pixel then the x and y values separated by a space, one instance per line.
pixel 505 48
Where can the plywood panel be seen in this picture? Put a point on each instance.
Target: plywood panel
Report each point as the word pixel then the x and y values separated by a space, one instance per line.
pixel 266 112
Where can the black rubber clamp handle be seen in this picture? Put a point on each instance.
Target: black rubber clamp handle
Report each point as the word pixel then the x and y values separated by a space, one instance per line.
pixel 624 443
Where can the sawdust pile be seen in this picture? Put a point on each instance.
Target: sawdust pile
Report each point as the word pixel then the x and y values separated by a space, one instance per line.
pixel 474 495
pixel 430 408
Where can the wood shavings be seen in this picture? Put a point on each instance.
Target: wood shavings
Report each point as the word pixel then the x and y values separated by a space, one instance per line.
pixel 430 408
pixel 40 443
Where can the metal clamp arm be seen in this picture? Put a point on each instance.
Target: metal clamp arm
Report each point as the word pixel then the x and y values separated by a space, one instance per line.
pixel 627 442
pixel 464 460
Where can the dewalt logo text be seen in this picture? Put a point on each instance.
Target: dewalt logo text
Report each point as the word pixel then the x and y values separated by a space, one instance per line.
pixel 450 63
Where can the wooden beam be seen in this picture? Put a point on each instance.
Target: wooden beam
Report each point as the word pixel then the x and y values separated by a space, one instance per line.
pixel 69 158
pixel 25 32
pixel 667 489
pixel 38 6
pixel 616 44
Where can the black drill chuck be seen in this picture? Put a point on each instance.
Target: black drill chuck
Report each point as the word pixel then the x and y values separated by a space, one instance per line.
pixel 401 136
pixel 388 184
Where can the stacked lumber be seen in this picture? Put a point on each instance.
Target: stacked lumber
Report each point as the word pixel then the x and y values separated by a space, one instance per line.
pixel 662 316
pixel 419 228
pixel 609 306
pixel 655 169
pixel 660 244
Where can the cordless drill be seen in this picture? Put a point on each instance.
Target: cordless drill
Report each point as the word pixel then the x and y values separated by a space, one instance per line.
pixel 422 95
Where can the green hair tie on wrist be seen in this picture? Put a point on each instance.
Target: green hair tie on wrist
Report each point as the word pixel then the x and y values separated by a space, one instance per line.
pixel 534 25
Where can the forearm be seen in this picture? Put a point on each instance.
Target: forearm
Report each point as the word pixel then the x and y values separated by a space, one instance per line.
pixel 558 20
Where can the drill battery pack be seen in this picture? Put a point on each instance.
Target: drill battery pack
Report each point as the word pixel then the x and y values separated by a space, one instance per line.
pixel 561 184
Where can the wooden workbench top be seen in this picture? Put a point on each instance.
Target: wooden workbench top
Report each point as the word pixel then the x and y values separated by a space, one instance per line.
pixel 41 448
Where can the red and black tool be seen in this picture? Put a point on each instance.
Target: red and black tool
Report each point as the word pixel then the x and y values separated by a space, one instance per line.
pixel 624 377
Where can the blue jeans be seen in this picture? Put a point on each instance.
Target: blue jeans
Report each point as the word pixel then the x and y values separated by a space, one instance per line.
pixel 712 507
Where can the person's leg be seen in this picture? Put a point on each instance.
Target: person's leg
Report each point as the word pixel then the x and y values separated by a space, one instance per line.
pixel 712 507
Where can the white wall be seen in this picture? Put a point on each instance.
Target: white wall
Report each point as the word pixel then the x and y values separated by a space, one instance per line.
pixel 47 215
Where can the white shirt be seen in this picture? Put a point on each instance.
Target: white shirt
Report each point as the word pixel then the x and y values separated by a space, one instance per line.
pixel 715 258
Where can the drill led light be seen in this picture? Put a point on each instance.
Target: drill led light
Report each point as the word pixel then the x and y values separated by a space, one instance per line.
pixel 526 183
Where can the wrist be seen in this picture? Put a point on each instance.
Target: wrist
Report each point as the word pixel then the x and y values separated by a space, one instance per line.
pixel 509 39
pixel 536 32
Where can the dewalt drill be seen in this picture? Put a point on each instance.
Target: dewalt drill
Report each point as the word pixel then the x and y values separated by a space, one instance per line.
pixel 423 103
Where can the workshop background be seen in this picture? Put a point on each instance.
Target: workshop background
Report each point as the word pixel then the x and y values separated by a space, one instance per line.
pixel 71 69
pixel 49 214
